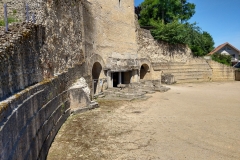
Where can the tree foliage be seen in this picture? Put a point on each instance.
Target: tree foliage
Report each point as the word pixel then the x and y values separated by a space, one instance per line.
pixel 169 19
pixel 222 58
pixel 166 11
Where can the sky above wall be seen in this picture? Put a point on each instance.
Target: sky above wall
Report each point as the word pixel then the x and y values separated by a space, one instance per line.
pixel 220 18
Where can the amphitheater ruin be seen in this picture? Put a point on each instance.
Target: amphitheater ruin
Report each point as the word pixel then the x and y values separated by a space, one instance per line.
pixel 47 67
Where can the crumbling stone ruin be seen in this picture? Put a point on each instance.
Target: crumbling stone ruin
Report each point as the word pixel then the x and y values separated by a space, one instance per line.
pixel 47 67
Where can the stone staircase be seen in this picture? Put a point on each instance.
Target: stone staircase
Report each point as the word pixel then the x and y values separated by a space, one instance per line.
pixel 196 70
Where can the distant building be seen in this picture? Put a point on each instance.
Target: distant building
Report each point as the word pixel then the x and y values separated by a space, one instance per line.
pixel 227 49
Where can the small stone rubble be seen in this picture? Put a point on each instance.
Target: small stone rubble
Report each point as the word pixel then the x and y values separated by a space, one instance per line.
pixel 137 90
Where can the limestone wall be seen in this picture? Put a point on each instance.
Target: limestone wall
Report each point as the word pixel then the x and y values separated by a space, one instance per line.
pixel 221 72
pixel 237 75
pixel 178 61
pixel 19 57
pixel 194 70
pixel 63 47
pixel 30 119
pixel 36 108
pixel 158 52
pixel 115 33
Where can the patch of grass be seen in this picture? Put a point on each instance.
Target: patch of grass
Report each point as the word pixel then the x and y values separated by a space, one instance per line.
pixel 10 20
pixel 14 11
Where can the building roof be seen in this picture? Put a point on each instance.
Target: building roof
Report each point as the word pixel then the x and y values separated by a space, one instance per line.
pixel 221 46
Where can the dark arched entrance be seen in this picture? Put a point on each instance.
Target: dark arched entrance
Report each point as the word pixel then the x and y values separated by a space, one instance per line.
pixel 96 72
pixel 144 71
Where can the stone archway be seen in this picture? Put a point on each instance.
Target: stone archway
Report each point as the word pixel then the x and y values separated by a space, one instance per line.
pixel 96 69
pixel 96 73
pixel 144 72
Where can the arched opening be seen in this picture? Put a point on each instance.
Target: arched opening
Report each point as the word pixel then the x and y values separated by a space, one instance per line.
pixel 96 72
pixel 144 72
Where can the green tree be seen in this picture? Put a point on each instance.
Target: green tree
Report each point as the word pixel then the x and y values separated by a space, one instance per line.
pixel 172 32
pixel 201 43
pixel 165 11
pixel 208 42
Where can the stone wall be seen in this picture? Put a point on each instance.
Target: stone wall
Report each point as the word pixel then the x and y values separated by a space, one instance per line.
pixel 221 72
pixel 237 75
pixel 158 52
pixel 30 119
pixel 63 21
pixel 19 57
pixel 194 70
pixel 39 62
pixel 114 32
pixel 178 61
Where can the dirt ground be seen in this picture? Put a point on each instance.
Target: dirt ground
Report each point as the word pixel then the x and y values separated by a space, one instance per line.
pixel 191 121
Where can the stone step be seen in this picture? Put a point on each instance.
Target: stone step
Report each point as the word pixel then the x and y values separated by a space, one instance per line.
pixel 189 80
pixel 162 89
pixel 148 91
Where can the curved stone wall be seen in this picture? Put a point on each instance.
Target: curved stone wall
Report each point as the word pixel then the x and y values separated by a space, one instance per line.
pixel 30 119
pixel 19 57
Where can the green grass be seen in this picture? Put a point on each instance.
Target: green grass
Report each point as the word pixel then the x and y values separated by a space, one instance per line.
pixel 10 20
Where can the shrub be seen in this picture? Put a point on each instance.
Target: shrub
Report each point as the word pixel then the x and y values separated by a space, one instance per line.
pixel 222 58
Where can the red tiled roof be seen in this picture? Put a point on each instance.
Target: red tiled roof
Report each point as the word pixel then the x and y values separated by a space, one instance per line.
pixel 221 46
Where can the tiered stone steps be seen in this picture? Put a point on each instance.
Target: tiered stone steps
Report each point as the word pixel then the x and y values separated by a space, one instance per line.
pixel 192 71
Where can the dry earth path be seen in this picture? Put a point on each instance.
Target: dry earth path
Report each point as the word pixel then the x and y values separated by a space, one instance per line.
pixel 191 121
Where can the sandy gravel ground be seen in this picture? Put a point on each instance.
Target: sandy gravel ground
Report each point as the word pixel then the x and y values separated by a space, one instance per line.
pixel 191 121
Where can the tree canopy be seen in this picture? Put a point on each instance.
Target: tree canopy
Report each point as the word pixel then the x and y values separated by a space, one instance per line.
pixel 170 21
pixel 166 10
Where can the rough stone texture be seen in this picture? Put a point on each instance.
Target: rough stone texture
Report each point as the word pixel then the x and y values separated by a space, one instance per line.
pixel 115 28
pixel 221 72
pixel 79 95
pixel 36 114
pixel 178 61
pixel 19 57
pixel 159 52
pixel 13 6
pixel 63 47
pixel 237 75
pixel 194 70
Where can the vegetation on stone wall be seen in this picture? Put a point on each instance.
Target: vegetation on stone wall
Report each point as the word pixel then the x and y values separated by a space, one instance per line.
pixel 10 20
pixel 169 20
pixel 221 58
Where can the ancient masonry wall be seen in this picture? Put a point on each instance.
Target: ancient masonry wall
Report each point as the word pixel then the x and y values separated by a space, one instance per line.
pixel 178 61
pixel 115 32
pixel 19 57
pixel 33 112
pixel 237 75
pixel 39 63
pixel 30 119
pixel 221 72
pixel 64 34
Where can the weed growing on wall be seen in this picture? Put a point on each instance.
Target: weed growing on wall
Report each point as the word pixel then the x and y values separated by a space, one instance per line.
pixel 10 20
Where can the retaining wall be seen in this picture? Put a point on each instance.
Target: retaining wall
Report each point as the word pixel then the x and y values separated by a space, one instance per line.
pixel 30 119
pixel 194 70
pixel 19 57
pixel 221 72
pixel 237 75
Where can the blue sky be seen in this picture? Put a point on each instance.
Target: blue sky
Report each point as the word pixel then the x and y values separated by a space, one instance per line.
pixel 220 18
